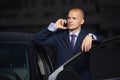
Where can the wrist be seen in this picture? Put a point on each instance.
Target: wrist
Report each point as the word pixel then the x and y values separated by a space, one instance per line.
pixel 93 36
pixel 90 34
pixel 52 27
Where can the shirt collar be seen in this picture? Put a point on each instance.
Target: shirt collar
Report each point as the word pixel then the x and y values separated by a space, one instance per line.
pixel 76 33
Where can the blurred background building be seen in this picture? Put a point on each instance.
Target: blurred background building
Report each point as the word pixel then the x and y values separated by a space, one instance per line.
pixel 101 16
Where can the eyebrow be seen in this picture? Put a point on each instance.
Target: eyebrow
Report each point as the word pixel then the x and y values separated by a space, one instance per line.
pixel 71 17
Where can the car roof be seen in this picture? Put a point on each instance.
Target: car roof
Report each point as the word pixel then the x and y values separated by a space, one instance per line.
pixel 15 37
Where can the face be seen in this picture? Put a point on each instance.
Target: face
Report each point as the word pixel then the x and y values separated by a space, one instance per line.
pixel 75 20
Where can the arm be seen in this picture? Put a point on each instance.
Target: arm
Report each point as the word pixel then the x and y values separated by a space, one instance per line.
pixel 47 36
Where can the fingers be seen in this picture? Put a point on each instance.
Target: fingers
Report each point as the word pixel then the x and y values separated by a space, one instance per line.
pixel 86 44
pixel 60 23
pixel 63 21
pixel 86 47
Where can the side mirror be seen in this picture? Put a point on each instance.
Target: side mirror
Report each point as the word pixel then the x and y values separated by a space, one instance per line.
pixel 68 75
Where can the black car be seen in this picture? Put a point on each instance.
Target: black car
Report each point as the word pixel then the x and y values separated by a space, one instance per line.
pixel 21 59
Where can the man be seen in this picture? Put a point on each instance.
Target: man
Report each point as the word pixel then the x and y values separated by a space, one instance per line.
pixel 59 36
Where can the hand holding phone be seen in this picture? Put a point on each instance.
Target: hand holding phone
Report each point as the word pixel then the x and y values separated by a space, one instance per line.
pixel 65 25
pixel 61 23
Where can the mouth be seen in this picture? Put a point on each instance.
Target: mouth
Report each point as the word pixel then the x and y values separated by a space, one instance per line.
pixel 70 25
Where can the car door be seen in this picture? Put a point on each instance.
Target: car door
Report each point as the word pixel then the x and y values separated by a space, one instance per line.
pixel 20 59
pixel 14 63
pixel 105 60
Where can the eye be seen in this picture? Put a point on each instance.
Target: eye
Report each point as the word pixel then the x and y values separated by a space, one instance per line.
pixel 74 18
pixel 68 17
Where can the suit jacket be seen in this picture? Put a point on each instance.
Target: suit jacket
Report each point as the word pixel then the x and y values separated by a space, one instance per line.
pixel 60 40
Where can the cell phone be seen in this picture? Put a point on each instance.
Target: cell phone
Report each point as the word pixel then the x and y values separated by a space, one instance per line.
pixel 65 24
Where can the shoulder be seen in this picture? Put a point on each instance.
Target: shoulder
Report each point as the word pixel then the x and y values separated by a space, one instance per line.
pixel 84 31
pixel 62 32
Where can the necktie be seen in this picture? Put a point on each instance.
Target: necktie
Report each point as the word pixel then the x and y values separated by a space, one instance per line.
pixel 72 40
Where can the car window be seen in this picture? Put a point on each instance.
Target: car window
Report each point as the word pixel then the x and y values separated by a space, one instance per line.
pixel 14 59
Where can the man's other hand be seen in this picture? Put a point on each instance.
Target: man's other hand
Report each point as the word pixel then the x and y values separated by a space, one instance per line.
pixel 87 43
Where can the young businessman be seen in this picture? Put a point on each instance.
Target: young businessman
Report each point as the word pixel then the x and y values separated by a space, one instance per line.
pixel 69 40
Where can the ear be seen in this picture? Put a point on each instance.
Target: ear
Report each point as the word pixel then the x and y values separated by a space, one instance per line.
pixel 82 21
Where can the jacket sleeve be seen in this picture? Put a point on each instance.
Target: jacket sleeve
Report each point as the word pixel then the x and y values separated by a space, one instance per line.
pixel 45 37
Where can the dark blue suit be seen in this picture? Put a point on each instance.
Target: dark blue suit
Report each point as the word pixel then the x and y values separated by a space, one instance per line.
pixel 60 40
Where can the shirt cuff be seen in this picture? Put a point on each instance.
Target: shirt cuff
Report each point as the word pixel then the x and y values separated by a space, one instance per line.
pixel 93 36
pixel 52 27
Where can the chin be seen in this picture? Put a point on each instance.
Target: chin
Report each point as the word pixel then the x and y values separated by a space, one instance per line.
pixel 71 27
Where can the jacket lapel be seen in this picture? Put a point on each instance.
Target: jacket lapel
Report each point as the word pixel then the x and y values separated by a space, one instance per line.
pixel 66 39
pixel 79 40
